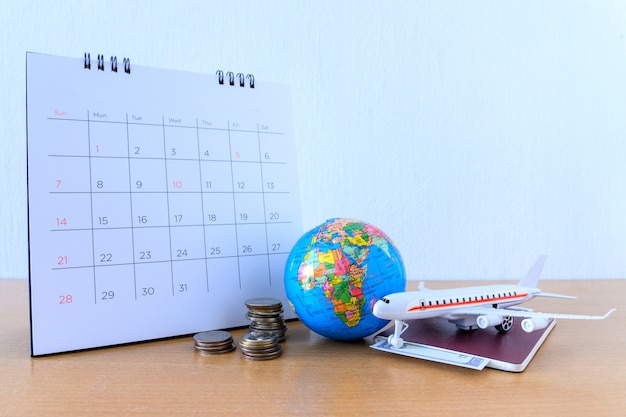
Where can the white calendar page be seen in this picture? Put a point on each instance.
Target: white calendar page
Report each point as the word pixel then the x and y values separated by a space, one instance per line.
pixel 159 201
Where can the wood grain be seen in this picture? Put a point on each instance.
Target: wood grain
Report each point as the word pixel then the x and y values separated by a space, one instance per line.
pixel 580 371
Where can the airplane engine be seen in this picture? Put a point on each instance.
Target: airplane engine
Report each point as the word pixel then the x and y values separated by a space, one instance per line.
pixel 488 320
pixel 529 325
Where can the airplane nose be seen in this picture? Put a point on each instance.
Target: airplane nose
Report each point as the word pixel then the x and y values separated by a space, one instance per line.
pixel 376 307
pixel 379 309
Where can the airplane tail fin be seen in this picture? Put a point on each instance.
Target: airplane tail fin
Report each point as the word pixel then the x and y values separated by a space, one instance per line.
pixel 532 278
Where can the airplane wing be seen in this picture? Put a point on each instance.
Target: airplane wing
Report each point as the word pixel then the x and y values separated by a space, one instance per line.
pixel 502 312
pixel 518 308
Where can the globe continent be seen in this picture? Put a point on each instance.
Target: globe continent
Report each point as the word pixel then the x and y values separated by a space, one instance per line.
pixel 336 272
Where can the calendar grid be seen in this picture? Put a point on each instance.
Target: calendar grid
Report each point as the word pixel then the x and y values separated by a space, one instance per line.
pixel 237 224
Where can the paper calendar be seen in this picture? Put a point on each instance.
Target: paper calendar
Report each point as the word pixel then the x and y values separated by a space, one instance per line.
pixel 159 200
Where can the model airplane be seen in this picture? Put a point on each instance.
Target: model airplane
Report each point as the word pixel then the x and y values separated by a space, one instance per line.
pixel 471 307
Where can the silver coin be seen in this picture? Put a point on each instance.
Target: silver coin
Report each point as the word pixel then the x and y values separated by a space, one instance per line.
pixel 212 337
pixel 263 358
pixel 268 329
pixel 221 342
pixel 205 352
pixel 271 325
pixel 258 340
pixel 264 304
pixel 257 337
pixel 262 354
pixel 265 317
pixel 278 335
pixel 256 314
pixel 261 351
pixel 259 356
pixel 213 347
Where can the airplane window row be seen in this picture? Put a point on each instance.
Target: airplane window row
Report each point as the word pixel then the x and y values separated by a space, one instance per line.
pixel 469 299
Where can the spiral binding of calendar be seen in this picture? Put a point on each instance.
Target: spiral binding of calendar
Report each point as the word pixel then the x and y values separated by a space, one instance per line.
pixel 113 62
pixel 230 78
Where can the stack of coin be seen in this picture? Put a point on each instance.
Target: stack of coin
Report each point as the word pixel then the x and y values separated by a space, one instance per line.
pixel 266 315
pixel 212 342
pixel 260 346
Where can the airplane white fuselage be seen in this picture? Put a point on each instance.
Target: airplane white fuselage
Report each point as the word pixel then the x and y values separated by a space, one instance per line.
pixel 450 303
pixel 472 307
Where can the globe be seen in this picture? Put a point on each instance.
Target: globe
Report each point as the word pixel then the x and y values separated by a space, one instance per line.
pixel 336 272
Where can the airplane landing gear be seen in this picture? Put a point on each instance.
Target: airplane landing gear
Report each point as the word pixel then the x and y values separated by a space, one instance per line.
pixel 506 325
pixel 394 339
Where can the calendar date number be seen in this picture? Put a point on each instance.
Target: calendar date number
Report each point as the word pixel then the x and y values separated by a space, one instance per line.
pixel 66 299
pixel 108 295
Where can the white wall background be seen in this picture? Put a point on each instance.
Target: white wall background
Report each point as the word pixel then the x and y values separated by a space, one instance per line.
pixel 477 134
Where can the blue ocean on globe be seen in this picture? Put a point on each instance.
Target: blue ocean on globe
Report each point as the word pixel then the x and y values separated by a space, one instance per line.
pixel 336 272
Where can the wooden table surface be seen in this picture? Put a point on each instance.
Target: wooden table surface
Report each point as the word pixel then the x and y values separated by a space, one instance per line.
pixel 579 371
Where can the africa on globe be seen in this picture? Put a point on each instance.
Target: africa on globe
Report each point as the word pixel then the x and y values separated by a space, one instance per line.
pixel 336 272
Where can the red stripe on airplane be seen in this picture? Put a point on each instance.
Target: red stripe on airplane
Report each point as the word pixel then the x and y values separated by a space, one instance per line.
pixel 464 303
